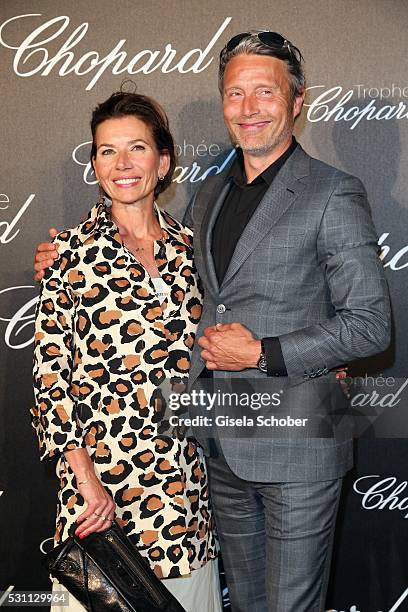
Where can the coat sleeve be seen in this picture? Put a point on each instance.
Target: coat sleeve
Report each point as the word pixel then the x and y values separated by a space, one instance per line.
pixel 54 413
pixel 347 246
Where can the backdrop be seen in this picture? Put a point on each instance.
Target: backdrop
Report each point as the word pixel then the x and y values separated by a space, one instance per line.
pixel 58 59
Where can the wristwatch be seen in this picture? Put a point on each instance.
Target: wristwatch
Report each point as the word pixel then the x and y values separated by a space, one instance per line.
pixel 262 364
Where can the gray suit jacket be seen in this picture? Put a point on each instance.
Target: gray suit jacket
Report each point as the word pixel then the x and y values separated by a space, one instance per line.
pixel 306 270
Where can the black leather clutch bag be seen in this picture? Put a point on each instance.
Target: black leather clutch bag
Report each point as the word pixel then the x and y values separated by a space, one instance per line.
pixel 104 571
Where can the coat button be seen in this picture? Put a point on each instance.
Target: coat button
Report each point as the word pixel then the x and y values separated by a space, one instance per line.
pixel 221 309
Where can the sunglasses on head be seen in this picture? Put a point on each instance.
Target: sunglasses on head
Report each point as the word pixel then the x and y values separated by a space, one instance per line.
pixel 270 39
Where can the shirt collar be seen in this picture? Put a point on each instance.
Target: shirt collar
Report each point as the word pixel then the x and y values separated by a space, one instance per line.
pixel 237 170
pixel 99 222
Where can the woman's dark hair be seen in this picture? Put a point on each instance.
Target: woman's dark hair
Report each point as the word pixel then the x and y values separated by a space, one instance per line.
pixel 121 104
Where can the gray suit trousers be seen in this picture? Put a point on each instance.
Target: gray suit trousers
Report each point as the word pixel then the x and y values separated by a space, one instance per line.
pixel 276 539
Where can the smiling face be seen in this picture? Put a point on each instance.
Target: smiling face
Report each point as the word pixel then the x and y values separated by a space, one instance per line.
pixel 127 163
pixel 259 110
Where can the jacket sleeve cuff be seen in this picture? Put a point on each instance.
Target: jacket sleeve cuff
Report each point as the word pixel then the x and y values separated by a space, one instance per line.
pixel 55 442
pixel 274 357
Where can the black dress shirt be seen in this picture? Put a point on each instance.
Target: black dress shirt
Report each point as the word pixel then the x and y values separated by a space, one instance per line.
pixel 236 211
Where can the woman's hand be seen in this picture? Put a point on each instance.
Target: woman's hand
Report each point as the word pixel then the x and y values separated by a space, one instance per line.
pixel 100 510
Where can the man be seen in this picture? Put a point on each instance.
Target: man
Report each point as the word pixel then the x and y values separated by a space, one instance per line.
pixel 287 252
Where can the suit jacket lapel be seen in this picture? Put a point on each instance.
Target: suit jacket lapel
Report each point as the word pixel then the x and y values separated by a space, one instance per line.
pixel 285 189
pixel 216 198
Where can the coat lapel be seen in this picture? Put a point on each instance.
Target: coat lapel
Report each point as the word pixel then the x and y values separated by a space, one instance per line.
pixel 216 199
pixel 286 188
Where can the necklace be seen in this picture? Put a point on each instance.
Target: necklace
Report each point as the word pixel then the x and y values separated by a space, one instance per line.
pixel 133 249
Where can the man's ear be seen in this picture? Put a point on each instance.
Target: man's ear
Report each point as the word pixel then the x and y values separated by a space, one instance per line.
pixel 298 103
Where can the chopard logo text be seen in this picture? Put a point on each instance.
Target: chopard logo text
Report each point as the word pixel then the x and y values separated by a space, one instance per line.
pixel 8 229
pixel 384 494
pixel 33 57
pixel 334 104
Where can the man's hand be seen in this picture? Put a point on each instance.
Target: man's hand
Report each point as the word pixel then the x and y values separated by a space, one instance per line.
pixel 45 254
pixel 230 347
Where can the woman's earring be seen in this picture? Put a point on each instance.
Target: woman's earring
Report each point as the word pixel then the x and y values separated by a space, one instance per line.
pixel 161 177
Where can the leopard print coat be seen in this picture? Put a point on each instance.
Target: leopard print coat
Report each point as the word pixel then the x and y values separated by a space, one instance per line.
pixel 103 345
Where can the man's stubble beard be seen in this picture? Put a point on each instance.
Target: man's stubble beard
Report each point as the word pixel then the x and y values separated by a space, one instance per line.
pixel 266 145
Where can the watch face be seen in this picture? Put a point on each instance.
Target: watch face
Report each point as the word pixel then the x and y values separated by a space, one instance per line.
pixel 262 365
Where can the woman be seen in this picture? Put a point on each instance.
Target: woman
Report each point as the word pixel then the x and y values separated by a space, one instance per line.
pixel 116 317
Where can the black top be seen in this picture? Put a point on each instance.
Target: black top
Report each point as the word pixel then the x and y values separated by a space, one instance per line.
pixel 239 206
pixel 237 209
